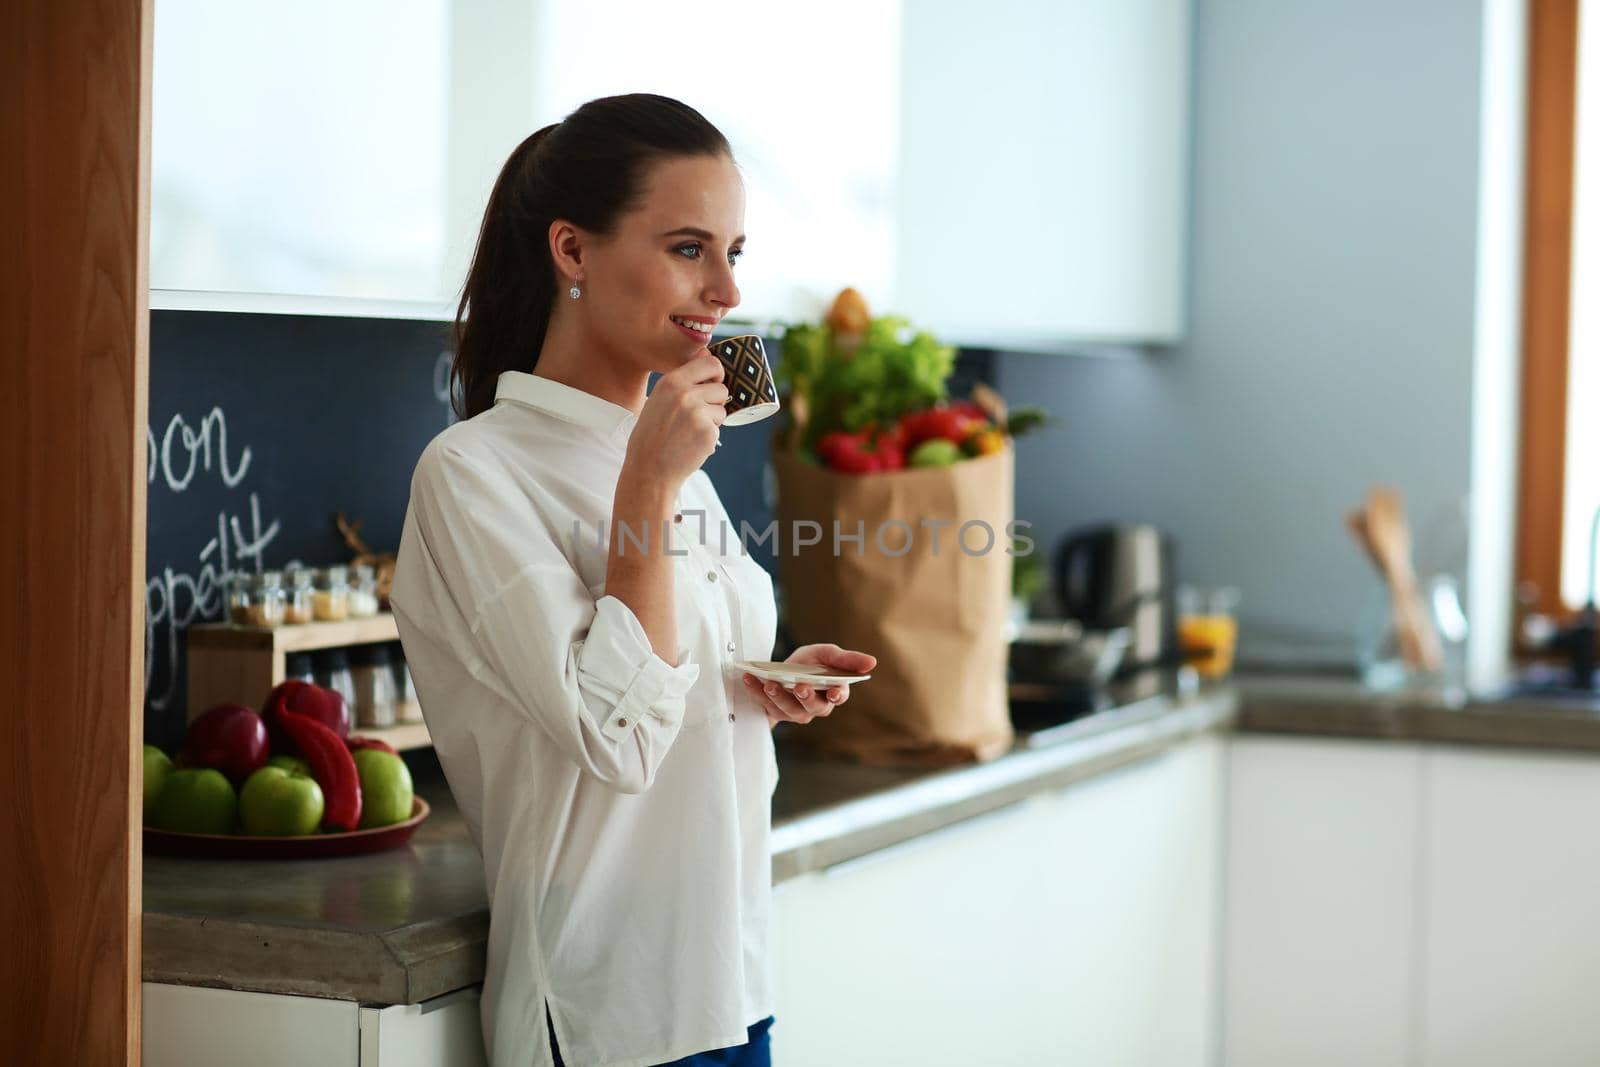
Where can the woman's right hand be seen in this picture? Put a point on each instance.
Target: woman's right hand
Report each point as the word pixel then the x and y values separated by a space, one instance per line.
pixel 679 424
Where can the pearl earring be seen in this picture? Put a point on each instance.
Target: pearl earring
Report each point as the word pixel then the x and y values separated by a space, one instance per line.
pixel 574 292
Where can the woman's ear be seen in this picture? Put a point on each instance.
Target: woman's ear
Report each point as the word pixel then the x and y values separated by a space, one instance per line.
pixel 566 251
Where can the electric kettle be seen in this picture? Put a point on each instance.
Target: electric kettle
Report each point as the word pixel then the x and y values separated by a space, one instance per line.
pixel 1122 574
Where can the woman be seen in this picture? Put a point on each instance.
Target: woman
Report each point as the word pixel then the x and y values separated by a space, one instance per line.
pixel 614 771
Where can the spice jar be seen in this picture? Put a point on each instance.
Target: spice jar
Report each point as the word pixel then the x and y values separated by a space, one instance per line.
pixel 266 600
pixel 297 668
pixel 330 596
pixel 239 585
pixel 331 668
pixel 406 706
pixel 374 684
pixel 363 591
pixel 297 594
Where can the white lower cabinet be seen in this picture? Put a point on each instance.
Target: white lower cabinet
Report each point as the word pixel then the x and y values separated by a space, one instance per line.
pixel 1396 903
pixel 190 1026
pixel 1323 856
pixel 1078 927
pixel 1511 894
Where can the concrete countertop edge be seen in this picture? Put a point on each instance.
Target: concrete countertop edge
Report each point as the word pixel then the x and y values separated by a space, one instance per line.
pixel 855 828
pixel 238 955
pixel 1335 709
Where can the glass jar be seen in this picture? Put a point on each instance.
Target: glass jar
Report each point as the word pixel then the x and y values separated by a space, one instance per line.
pixel 406 706
pixel 374 686
pixel 297 595
pixel 1378 648
pixel 240 584
pixel 297 668
pixel 330 596
pixel 331 669
pixel 266 600
pixel 363 591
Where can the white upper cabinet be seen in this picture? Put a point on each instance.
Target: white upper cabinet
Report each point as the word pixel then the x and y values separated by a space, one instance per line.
pixel 337 158
pixel 808 97
pixel 302 149
pixel 1044 170
pixel 1008 177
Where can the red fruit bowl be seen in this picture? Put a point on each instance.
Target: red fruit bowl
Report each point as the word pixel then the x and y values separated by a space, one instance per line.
pixel 244 847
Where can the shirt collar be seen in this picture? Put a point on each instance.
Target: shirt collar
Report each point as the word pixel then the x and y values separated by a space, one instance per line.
pixel 564 402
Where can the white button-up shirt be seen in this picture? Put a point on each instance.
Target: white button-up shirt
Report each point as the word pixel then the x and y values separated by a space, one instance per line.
pixel 622 805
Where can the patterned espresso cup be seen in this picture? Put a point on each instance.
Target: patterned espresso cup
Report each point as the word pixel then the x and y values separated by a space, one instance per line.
pixel 752 396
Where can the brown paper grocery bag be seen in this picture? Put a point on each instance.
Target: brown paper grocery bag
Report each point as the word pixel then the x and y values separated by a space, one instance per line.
pixel 935 616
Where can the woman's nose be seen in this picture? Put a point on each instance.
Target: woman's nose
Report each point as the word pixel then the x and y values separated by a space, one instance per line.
pixel 722 289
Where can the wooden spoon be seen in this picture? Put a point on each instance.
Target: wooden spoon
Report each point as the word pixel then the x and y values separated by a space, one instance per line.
pixel 1390 539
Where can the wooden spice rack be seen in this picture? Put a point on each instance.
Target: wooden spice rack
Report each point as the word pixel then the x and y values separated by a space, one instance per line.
pixel 230 664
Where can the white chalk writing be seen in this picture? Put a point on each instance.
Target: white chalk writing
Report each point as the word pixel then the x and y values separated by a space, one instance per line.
pixel 176 596
pixel 195 447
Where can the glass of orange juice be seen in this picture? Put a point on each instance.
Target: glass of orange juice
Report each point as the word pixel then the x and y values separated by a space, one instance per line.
pixel 1208 629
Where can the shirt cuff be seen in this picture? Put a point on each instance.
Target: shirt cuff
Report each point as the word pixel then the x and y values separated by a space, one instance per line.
pixel 617 653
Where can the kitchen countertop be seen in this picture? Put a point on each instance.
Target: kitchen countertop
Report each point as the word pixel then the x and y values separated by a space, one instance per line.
pixel 395 927
pixel 403 926
pixel 411 924
pixel 1340 707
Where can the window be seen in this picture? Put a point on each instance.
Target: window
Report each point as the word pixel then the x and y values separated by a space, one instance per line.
pixel 1551 551
pixel 1581 492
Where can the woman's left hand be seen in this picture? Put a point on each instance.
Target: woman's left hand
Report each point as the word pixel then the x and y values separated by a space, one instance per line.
pixel 803 703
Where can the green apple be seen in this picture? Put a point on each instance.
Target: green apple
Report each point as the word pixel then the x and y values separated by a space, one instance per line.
pixel 385 787
pixel 278 802
pixel 937 452
pixel 157 765
pixel 292 764
pixel 196 800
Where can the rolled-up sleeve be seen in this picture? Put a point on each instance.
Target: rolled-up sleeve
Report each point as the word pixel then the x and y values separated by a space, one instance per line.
pixel 583 670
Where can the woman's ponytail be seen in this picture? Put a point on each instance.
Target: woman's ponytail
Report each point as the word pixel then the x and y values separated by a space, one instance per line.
pixel 505 302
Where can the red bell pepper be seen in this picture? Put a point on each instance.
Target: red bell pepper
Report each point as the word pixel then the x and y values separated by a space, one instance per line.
pixel 356 744
pixel 951 423
pixel 863 452
pixel 332 766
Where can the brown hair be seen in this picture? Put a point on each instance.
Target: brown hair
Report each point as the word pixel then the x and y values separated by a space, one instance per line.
pixel 589 169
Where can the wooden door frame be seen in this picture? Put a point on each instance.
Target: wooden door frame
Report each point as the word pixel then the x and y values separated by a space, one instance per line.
pixel 74 333
pixel 1546 297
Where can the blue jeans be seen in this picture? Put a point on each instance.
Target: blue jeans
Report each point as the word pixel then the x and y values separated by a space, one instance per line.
pixel 755 1052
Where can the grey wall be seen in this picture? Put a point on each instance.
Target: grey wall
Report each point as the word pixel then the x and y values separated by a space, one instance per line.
pixel 1329 347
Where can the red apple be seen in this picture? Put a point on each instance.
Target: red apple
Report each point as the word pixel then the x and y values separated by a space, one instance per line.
pixel 230 738
pixel 356 744
pixel 313 701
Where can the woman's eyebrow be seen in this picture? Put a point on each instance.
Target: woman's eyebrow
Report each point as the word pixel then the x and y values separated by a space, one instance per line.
pixel 692 231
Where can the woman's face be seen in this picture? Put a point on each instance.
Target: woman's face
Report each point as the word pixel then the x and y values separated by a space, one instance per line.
pixel 656 286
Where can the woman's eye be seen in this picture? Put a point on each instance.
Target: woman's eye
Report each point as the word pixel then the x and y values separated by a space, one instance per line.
pixel 692 251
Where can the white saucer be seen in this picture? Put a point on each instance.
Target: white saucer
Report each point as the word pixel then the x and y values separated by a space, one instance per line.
pixel 753 413
pixel 790 675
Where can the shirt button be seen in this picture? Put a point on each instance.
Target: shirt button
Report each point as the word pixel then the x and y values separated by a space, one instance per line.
pixel 678 517
pixel 730 647
pixel 730 716
pixel 711 576
pixel 622 722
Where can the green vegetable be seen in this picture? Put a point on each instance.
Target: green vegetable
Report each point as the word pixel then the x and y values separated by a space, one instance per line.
pixel 894 370
pixel 1021 420
pixel 1028 575
pixel 935 453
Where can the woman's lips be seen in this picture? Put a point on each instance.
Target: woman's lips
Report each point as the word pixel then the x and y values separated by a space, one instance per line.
pixel 696 334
